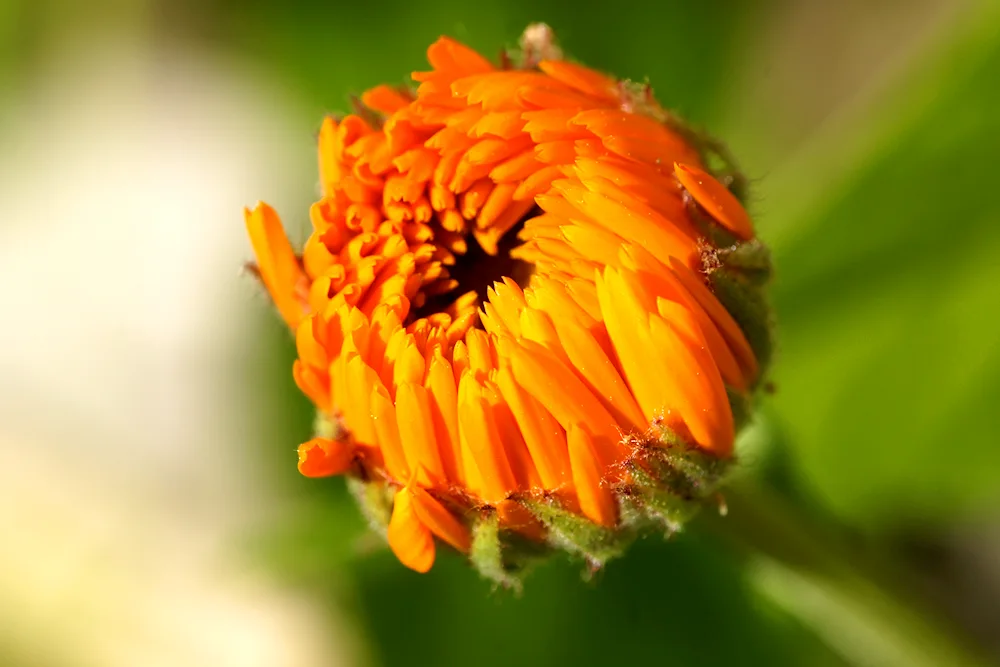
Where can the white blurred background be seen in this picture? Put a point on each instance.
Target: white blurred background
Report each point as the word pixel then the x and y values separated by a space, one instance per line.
pixel 124 479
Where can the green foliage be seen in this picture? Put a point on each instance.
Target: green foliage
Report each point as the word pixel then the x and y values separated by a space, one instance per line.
pixel 749 305
pixel 680 603
pixel 330 49
pixel 886 292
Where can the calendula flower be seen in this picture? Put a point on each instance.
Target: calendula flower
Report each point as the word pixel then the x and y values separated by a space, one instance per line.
pixel 527 311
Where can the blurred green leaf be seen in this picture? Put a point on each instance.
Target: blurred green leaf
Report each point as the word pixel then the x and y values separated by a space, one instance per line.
pixel 681 603
pixel 328 50
pixel 886 244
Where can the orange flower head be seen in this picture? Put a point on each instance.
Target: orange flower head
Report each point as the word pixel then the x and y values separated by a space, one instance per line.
pixel 529 308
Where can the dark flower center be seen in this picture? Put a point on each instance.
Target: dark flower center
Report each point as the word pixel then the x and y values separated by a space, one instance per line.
pixel 477 270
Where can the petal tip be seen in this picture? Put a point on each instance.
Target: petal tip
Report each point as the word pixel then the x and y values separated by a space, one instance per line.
pixel 321 457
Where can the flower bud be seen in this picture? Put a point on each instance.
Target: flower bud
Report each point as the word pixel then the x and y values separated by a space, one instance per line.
pixel 531 313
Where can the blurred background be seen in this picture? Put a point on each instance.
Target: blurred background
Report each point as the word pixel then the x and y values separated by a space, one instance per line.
pixel 150 508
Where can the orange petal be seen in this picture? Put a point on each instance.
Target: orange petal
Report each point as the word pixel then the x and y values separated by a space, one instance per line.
pixel 478 431
pixel 361 378
pixel 517 168
pixel 596 501
pixel 316 257
pixel 330 170
pixel 538 182
pixel 410 364
pixel 593 366
pixel 385 99
pixel 383 414
pixel 669 291
pixel 537 326
pixel 439 520
pixel 715 198
pixel 409 538
pixel 314 383
pixel 482 354
pixel 443 392
pixel 310 351
pixel 695 391
pixel 633 222
pixel 563 394
pixel 508 300
pixel 322 457
pixel 626 322
pixel 449 55
pixel 503 124
pixel 279 268
pixel 473 199
pixel 552 125
pixel 581 78
pixel 728 326
pixel 498 201
pixel 543 436
pixel 417 435
pixel 518 455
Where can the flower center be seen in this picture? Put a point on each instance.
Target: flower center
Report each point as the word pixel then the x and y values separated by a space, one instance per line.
pixel 478 270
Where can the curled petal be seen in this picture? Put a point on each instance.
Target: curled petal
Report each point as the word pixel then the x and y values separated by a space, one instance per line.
pixel 715 198
pixel 322 457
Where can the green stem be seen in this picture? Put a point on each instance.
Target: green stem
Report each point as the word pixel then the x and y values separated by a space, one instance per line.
pixel 850 600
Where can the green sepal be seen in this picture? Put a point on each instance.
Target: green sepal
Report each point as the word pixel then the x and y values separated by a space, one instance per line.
pixel 742 407
pixel 325 426
pixel 666 510
pixel 751 259
pixel 746 302
pixel 686 472
pixel 578 535
pixel 690 471
pixel 670 480
pixel 503 556
pixel 486 555
pixel 719 239
pixel 375 501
